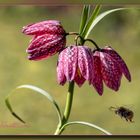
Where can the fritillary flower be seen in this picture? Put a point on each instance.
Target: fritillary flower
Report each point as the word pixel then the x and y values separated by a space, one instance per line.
pixel 108 67
pixel 75 63
pixel 48 39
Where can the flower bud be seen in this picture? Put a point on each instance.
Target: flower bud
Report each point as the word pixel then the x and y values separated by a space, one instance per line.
pixel 49 38
pixel 44 27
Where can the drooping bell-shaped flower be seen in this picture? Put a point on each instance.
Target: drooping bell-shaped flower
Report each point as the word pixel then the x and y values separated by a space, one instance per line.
pixel 75 63
pixel 108 67
pixel 49 38
pixel 122 65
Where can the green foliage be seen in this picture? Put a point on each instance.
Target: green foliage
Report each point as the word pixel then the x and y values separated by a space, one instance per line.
pixel 88 28
pixel 38 90
pixel 84 18
pixel 94 19
pixel 87 124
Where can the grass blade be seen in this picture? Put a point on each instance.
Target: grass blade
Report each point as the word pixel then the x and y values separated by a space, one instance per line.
pixel 38 90
pixel 97 19
pixel 11 110
pixel 84 17
pixel 87 124
pixel 90 21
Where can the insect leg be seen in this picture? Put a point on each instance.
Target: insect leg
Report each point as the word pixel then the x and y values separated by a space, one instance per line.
pixel 112 108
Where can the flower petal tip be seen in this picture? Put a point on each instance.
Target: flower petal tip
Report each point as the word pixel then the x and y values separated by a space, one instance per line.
pixel 129 78
pixel 100 93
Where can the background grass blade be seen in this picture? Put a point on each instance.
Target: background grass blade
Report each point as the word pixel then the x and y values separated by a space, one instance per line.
pixel 84 17
pixel 38 90
pixel 87 124
pixel 94 21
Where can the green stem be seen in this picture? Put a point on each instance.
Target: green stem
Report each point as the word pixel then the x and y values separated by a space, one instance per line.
pixel 67 109
pixel 93 42
pixel 72 33
pixel 68 102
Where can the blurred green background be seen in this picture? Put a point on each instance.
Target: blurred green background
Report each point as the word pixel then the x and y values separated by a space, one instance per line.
pixel 121 30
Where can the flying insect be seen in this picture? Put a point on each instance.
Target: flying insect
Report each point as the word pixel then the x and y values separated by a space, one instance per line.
pixel 123 112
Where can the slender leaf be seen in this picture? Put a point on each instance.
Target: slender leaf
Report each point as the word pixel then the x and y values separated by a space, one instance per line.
pixel 87 124
pixel 84 17
pixel 90 21
pixel 11 110
pixel 97 19
pixel 38 90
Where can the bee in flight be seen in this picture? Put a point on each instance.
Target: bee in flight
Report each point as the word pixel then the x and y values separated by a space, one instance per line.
pixel 123 113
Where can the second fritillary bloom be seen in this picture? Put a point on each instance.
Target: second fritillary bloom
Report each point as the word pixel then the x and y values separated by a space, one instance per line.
pixel 108 67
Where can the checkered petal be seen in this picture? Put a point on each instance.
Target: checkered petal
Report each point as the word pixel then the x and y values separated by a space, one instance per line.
pixel 60 70
pixel 111 73
pixel 123 67
pixel 85 62
pixel 79 79
pixel 97 76
pixel 70 62
pixel 43 46
pixel 48 26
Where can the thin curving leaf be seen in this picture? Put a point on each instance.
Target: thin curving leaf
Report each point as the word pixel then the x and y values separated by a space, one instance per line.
pixel 84 17
pixel 90 21
pixel 38 90
pixel 97 19
pixel 87 124
pixel 11 110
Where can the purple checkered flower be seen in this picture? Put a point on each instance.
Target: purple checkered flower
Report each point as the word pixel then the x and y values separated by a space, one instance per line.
pixel 49 38
pixel 108 67
pixel 75 63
